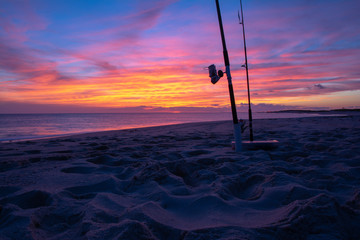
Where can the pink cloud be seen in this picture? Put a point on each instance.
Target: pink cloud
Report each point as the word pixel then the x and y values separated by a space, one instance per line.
pixel 18 19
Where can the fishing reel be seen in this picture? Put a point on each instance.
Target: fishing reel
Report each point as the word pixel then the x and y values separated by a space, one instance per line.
pixel 215 76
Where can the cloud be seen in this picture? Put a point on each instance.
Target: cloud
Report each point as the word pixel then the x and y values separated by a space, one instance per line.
pixel 26 64
pixel 153 54
pixel 319 86
pixel 16 20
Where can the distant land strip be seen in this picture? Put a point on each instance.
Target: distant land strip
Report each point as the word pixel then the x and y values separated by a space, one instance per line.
pixel 317 111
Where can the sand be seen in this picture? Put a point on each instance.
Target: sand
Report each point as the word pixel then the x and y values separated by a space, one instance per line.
pixel 185 182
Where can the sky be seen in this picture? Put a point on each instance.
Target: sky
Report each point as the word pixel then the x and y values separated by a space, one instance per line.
pixel 133 56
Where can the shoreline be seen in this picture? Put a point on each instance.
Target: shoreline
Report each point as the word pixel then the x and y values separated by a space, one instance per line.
pixel 44 137
pixel 51 136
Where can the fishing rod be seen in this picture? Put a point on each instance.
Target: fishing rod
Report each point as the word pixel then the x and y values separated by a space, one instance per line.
pixel 247 72
pixel 215 76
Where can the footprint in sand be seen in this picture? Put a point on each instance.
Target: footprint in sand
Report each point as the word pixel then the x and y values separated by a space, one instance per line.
pixel 196 153
pixel 29 200
pixel 80 170
pixel 56 220
pixel 247 188
pixel 89 191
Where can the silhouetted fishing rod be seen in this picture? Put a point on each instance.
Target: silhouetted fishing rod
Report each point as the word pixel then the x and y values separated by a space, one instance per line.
pixel 215 76
pixel 241 21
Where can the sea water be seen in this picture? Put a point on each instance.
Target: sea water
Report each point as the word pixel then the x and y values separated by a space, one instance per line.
pixel 15 127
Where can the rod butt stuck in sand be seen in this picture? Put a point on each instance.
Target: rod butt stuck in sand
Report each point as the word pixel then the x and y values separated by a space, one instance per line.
pixel 216 76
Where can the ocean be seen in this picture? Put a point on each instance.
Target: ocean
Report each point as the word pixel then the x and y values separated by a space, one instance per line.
pixel 15 127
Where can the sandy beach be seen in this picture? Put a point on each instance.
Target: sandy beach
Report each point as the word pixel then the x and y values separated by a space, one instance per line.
pixel 185 182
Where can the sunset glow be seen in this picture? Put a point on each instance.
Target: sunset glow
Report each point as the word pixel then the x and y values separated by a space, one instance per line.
pixel 153 54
